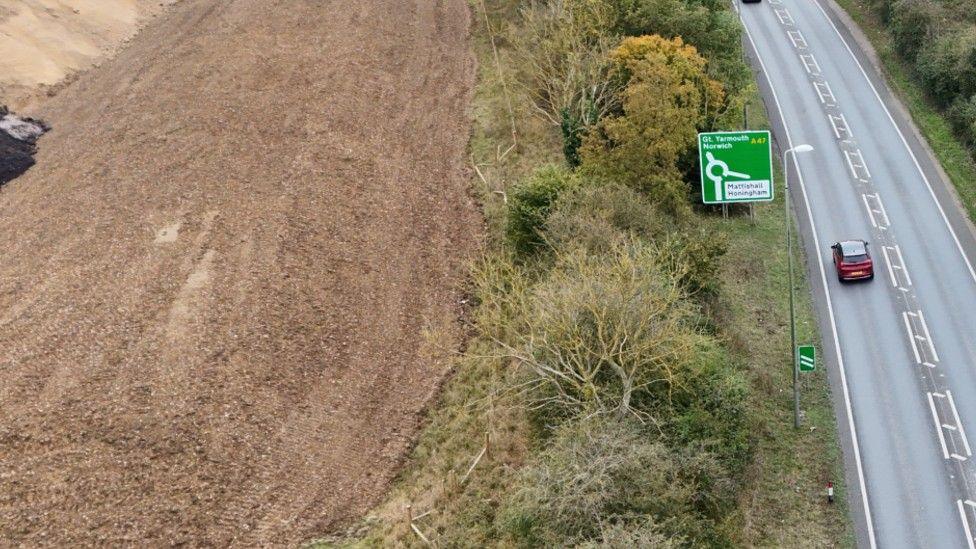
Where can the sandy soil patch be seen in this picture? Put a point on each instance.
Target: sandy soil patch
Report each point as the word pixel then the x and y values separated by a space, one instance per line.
pixel 43 41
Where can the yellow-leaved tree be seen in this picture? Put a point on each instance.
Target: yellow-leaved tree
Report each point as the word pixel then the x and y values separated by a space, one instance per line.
pixel 666 99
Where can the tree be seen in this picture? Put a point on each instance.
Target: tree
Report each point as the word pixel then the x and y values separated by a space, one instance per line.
pixel 666 99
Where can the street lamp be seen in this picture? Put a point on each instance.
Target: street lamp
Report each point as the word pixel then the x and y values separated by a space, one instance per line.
pixel 789 261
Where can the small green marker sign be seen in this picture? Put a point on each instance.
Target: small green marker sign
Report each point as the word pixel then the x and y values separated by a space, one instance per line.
pixel 735 166
pixel 806 355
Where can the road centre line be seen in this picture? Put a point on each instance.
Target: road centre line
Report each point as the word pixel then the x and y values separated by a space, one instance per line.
pixel 797 38
pixel 784 16
pixel 826 94
pixel 845 390
pixel 962 432
pixel 911 153
pixel 884 212
pixel 850 157
pixel 965 523
pixel 874 224
pixel 901 259
pixel 843 127
pixel 810 64
pixel 911 338
pixel 891 272
pixel 928 336
pixel 938 427
pixel 859 163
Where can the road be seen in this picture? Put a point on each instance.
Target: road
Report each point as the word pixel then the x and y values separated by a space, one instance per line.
pixel 899 349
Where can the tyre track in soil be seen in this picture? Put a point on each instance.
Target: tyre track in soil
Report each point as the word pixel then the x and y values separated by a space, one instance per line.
pixel 215 283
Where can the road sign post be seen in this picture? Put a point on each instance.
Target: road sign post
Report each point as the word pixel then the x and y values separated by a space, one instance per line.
pixel 806 357
pixel 735 166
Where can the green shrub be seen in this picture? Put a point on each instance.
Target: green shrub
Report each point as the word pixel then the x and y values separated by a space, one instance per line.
pixel 529 204
pixel 962 116
pixel 938 64
pixel 710 25
pixel 911 25
pixel 603 481
pixel 572 130
pixel 694 259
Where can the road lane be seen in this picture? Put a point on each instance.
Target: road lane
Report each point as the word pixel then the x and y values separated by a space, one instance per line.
pixel 860 161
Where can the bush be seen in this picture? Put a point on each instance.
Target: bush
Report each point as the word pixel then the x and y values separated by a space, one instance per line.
pixel 938 64
pixel 911 24
pixel 711 26
pixel 603 332
pixel 962 117
pixel 529 204
pixel 598 218
pixel 604 481
pixel 694 259
pixel 561 52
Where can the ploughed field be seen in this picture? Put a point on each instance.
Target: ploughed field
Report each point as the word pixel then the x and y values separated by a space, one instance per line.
pixel 229 283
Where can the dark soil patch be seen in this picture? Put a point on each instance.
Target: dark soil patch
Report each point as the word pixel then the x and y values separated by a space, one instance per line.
pixel 17 154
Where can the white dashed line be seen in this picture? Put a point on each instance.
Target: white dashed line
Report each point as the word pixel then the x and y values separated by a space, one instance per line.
pixel 928 337
pixel 911 339
pixel 955 415
pixel 839 124
pixel 901 259
pixel 855 161
pixel 784 16
pixel 938 427
pixel 874 223
pixel 825 93
pixel 891 271
pixel 797 38
pixel 965 523
pixel 810 64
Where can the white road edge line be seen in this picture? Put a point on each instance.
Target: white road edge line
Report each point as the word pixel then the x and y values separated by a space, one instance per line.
pixel 928 337
pixel 938 426
pixel 962 432
pixel 911 338
pixel 830 308
pixel 891 272
pixel 904 141
pixel 965 524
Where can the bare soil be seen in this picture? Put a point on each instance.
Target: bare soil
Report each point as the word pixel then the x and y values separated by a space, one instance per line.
pixel 219 282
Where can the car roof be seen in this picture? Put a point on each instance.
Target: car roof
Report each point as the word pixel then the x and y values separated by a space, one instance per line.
pixel 853 247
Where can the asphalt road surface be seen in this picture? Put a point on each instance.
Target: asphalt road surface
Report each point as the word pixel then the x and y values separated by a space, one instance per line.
pixel 900 348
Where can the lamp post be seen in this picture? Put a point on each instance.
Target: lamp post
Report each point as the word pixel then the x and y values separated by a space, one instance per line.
pixel 789 261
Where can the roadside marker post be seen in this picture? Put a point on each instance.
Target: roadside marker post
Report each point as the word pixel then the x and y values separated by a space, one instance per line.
pixel 806 357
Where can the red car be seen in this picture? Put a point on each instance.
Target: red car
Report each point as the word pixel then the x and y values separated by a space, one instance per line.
pixel 852 260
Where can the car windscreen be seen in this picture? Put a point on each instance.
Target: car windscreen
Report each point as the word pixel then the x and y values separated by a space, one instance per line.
pixel 855 258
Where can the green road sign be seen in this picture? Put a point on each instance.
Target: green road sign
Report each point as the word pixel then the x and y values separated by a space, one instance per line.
pixel 806 354
pixel 735 166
